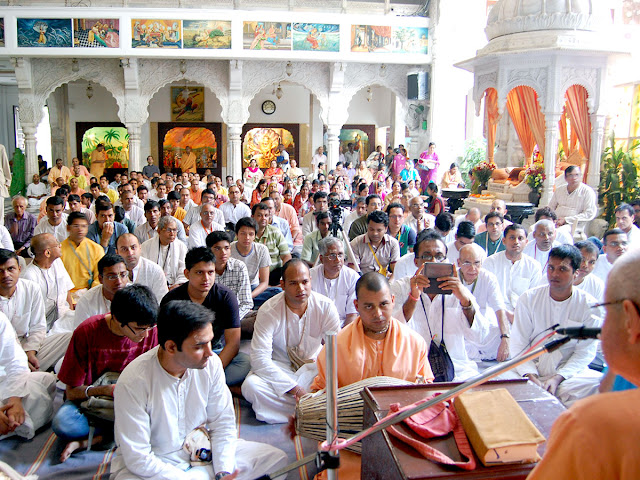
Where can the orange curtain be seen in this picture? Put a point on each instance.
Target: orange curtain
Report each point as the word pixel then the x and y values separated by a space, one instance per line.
pixel 491 119
pixel 535 119
pixel 578 114
pixel 519 119
pixel 562 127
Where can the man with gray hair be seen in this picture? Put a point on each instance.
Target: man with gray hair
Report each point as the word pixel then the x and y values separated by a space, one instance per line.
pixel 20 225
pixel 544 234
pixel 167 251
pixel 333 279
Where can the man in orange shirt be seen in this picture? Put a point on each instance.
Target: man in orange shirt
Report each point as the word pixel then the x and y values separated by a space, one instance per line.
pixel 595 437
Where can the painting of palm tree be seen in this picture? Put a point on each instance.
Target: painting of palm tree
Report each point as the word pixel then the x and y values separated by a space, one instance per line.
pixel 115 141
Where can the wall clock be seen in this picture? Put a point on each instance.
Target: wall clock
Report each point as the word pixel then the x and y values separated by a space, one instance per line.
pixel 268 107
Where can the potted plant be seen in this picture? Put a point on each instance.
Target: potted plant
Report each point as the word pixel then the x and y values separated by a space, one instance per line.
pixel 534 177
pixel 482 173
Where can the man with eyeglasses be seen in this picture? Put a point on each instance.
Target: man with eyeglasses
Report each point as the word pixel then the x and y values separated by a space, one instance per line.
pixel 563 373
pixel 575 201
pixel 333 279
pixel 167 251
pixel 193 214
pixel 166 211
pixel 428 314
pixel 376 250
pixel 486 290
pixel 615 244
pixel 141 271
pixel 544 236
pixel 198 231
pixel 515 271
pixel 491 239
pixel 113 276
pixel 404 234
pixel 103 343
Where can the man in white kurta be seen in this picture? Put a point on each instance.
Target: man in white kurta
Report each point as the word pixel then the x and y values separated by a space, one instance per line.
pixel 586 280
pixel 453 318
pixel 544 239
pixel 32 392
pixel 564 372
pixel 616 243
pixel 575 201
pixel 516 272
pixel 334 280
pixel 295 319
pixel 56 220
pixel 198 231
pixel 167 251
pixel 166 393
pixel 141 271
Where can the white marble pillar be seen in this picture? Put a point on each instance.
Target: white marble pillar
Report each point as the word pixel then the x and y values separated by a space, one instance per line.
pixel 597 140
pixel 333 146
pixel 398 131
pixel 135 160
pixel 30 153
pixel 551 135
pixel 234 156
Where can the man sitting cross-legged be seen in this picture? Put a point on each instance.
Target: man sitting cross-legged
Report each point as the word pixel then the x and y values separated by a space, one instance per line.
pixel 375 344
pixel 80 255
pixel 201 288
pixel 286 340
pixel 103 343
pixel 167 393
pixel 141 270
pixel 544 236
pixel 198 231
pixel 563 373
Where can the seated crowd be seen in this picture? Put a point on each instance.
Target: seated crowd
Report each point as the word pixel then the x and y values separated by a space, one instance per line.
pixel 132 286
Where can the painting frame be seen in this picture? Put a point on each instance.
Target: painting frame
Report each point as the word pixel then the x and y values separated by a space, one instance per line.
pixel 261 35
pixel 206 34
pixel 2 44
pixel 187 103
pixel 83 127
pixel 369 130
pixel 156 33
pixel 216 129
pixel 44 32
pixel 315 37
pixel 293 128
pixel 96 32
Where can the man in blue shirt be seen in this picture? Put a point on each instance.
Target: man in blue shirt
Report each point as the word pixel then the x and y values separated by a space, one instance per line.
pixel 105 230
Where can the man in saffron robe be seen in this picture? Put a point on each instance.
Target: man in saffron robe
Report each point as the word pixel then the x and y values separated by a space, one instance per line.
pixel 188 161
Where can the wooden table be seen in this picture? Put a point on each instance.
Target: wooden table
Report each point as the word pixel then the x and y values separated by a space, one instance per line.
pixel 387 458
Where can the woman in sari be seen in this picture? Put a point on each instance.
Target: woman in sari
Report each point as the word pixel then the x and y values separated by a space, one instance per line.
pixel 428 165
pixel 301 200
pixel 394 196
pixel 294 172
pixel 274 171
pixel 259 193
pixel 364 173
pixel 252 175
pixel 436 204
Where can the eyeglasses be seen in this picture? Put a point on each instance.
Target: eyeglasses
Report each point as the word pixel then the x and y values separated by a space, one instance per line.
pixel 429 258
pixel 140 330
pixel 334 256
pixel 617 244
pixel 116 276
pixel 171 230
pixel 616 302
pixel 475 264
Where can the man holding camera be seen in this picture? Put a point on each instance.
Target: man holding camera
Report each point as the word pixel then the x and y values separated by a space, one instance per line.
pixel 427 312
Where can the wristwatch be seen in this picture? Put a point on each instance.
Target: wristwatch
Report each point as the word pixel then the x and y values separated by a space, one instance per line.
pixel 220 475
pixel 504 335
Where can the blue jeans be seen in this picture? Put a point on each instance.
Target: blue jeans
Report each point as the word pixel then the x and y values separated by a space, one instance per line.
pixel 237 369
pixel 264 296
pixel 69 423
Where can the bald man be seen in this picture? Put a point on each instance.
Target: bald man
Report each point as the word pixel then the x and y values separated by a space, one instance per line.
pixel 544 236
pixel 608 420
pixel 497 206
pixel 141 270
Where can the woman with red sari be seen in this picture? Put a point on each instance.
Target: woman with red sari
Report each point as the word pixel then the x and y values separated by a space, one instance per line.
pixel 301 202
pixel 436 204
pixel 274 171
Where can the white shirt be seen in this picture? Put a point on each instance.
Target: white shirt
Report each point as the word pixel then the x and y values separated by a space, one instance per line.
pixel 198 234
pixel 151 275
pixel 453 253
pixel 277 328
pixel 487 291
pixel 406 266
pixel 25 311
pixel 34 190
pixel 54 283
pixel 593 285
pixel 538 255
pixel 602 268
pixel 91 303
pixel 317 158
pixel 348 220
pixel 428 322
pixel 309 224
pixel 144 232
pixel 193 216
pixel 563 236
pixel 5 238
pixel 136 215
pixel 59 231
pixel 633 236
pixel 341 290
pixel 537 311
pixel 13 375
pixel 156 411
pixel 412 222
pixel 136 200
pixel 170 258
pixel 580 205
pixel 514 278
pixel 232 213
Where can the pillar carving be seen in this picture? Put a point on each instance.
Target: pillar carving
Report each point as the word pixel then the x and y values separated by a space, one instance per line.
pixel 31 156
pixel 333 146
pixel 597 140
pixel 135 160
pixel 551 135
pixel 234 157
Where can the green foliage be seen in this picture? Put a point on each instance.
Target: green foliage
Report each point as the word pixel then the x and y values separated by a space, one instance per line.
pixel 475 152
pixel 619 179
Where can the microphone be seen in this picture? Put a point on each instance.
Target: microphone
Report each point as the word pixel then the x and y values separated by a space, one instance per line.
pixel 581 333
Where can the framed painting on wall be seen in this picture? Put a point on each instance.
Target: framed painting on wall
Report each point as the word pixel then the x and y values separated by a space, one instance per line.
pixel 40 32
pixel 96 32
pixel 363 138
pixel 147 33
pixel 1 32
pixel 266 36
pixel 260 142
pixel 370 38
pixel 187 104
pixel 316 37
pixel 206 34
pixel 113 135
pixel 205 140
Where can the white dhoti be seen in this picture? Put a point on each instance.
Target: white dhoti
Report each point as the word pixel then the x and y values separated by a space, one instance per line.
pixel 53 349
pixel 37 403
pixel 488 348
pixel 253 460
pixel 268 405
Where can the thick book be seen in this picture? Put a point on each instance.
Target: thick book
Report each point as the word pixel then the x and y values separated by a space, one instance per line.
pixel 498 429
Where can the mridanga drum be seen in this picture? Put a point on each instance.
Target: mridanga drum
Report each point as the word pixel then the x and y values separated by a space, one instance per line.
pixel 311 410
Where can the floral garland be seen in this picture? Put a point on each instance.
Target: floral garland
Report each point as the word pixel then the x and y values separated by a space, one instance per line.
pixel 482 172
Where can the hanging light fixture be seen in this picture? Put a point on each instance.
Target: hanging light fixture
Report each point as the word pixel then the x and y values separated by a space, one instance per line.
pixel 279 92
pixel 183 67
pixel 89 90
pixel 75 67
pixel 383 70
pixel 289 69
pixel 369 94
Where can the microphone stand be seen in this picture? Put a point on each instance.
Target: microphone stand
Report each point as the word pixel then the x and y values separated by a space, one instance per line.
pixel 324 460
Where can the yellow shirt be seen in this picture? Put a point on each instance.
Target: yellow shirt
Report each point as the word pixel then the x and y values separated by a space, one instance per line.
pixel 82 181
pixel 113 196
pixel 90 253
pixel 180 214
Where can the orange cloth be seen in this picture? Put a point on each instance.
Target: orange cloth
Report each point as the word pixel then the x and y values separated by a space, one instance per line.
pixel 196 196
pixel 188 163
pixel 402 354
pixel 98 163
pixel 594 439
